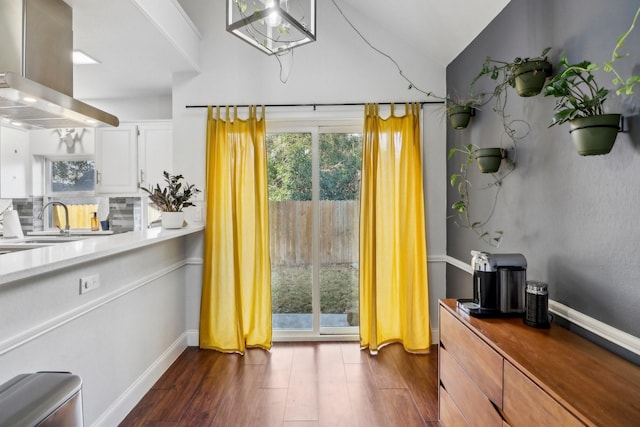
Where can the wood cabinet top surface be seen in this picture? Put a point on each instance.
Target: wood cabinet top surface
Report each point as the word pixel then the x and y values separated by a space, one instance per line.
pixel 596 385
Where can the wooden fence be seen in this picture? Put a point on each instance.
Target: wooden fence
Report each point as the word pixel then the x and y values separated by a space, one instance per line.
pixel 290 226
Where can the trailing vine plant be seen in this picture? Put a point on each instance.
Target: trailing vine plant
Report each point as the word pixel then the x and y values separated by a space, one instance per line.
pixel 504 75
pixel 624 86
pixel 462 207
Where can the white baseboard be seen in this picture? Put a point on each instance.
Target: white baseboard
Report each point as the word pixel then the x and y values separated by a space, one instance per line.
pixel 460 264
pixel 435 335
pixel 609 333
pixel 193 338
pixel 130 398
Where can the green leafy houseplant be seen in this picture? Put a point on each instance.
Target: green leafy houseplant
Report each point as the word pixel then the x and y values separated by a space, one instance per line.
pixel 174 196
pixel 580 101
pixel 578 93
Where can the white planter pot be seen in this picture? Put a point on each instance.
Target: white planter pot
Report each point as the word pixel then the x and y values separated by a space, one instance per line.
pixel 172 219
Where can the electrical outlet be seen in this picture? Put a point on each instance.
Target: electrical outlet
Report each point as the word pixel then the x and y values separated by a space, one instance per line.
pixel 89 283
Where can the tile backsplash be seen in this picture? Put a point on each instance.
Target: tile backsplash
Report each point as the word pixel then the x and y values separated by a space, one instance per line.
pixel 125 214
pixel 28 210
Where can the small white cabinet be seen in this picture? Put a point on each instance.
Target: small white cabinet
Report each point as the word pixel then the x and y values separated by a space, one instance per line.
pixel 15 165
pixel 116 160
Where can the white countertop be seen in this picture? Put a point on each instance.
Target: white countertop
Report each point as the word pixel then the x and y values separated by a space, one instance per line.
pixel 23 264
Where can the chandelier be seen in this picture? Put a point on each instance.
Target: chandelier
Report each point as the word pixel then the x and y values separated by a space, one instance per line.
pixel 273 26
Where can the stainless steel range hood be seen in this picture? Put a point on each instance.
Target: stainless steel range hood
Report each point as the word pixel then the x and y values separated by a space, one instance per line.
pixel 36 69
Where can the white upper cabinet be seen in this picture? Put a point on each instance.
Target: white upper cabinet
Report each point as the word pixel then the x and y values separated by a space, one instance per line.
pixel 117 160
pixel 155 153
pixel 15 165
pixel 132 156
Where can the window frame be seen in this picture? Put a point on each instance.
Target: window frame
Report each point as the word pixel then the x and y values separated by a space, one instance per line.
pixel 49 195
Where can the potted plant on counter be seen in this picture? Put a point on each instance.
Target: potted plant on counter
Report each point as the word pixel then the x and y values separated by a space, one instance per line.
pixel 172 199
pixel 580 101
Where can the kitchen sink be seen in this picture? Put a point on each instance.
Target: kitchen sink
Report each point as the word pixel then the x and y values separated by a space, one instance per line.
pixel 72 233
pixel 53 239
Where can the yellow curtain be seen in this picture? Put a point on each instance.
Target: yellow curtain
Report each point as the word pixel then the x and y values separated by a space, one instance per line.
pixel 236 290
pixel 394 297
pixel 79 215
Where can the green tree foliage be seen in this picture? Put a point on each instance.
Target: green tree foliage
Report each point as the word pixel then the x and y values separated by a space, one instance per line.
pixel 340 161
pixel 289 166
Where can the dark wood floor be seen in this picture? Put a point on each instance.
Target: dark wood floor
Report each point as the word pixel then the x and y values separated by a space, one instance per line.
pixel 296 384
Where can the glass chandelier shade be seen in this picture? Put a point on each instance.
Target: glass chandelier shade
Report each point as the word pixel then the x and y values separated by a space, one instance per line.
pixel 273 26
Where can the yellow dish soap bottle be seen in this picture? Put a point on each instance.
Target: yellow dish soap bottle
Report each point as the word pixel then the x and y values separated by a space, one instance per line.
pixel 95 224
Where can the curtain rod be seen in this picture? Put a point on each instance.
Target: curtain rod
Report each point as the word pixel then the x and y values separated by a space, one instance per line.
pixel 325 104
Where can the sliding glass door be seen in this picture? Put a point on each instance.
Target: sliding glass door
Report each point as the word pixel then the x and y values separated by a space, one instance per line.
pixel 314 182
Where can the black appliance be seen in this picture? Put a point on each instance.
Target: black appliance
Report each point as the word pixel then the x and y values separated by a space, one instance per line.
pixel 537 304
pixel 499 282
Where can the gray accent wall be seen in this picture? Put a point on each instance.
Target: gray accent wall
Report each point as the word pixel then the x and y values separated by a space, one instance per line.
pixel 576 219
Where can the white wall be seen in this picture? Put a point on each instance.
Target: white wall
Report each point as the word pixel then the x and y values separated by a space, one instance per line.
pixel 136 109
pixel 337 68
pixel 46 142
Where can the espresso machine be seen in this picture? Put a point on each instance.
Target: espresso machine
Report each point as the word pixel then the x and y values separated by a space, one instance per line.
pixel 499 282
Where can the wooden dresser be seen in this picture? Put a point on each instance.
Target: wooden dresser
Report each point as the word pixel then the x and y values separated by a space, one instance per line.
pixel 500 372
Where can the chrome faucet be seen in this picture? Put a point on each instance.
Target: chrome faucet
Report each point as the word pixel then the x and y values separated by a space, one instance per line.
pixel 66 231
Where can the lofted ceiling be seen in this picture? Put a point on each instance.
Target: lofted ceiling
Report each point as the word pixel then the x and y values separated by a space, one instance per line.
pixel 137 59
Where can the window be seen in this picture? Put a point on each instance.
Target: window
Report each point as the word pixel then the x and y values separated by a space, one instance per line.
pixel 70 181
pixel 71 176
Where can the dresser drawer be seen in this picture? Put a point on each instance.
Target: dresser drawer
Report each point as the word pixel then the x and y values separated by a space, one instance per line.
pixel 480 362
pixel 525 404
pixel 474 405
pixel 450 415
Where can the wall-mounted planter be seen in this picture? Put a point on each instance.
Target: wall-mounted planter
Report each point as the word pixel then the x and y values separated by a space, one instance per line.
pixel 489 159
pixel 530 77
pixel 595 135
pixel 459 116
